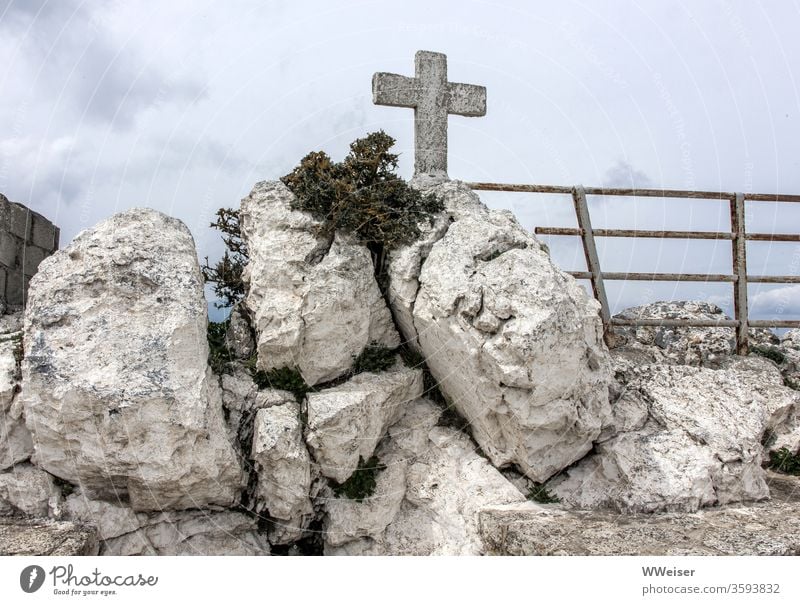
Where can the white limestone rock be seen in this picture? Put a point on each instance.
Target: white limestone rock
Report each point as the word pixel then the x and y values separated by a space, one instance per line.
pixel 346 422
pixel 15 439
pixel 426 500
pixel 315 304
pixel 27 490
pixel 683 438
pixel 284 471
pixel 117 390
pixel 515 344
pixel 696 346
pixel 238 337
pixel 124 532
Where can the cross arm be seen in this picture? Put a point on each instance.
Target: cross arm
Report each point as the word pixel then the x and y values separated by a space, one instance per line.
pixel 466 99
pixel 395 90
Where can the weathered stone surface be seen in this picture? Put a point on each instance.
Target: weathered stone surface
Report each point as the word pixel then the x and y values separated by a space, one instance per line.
pixel 682 437
pixel 29 491
pixel 15 439
pixel 117 390
pixel 515 343
pixel 239 337
pixel 348 421
pixel 41 537
pixel 705 347
pixel 284 471
pixel 790 366
pixel 771 528
pixel 427 499
pixel 315 304
pixel 123 531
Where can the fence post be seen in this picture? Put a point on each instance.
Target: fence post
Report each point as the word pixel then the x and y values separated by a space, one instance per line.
pixel 739 255
pixel 592 260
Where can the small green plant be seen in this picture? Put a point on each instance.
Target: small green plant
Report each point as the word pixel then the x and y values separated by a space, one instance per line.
pixel 539 493
pixel 361 484
pixel 284 379
pixel 362 195
pixel 784 461
pixel 769 352
pixel 226 274
pixel 219 354
pixel 374 358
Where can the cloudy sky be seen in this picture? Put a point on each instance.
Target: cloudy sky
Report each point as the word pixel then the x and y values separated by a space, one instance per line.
pixel 183 106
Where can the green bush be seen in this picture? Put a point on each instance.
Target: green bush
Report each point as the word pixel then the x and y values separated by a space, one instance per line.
pixel 539 493
pixel 784 461
pixel 374 358
pixel 226 274
pixel 362 195
pixel 361 484
pixel 284 379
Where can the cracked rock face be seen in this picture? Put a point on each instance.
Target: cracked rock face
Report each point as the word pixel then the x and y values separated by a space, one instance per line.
pixel 284 471
pixel 29 491
pixel 515 344
pixel 124 532
pixel 426 500
pixel 315 304
pixel 117 390
pixel 15 439
pixel 346 422
pixel 682 437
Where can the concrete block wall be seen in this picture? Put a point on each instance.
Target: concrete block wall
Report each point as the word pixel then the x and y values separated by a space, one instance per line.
pixel 26 238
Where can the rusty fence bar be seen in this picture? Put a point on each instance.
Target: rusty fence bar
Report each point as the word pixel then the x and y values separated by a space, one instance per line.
pixel 738 237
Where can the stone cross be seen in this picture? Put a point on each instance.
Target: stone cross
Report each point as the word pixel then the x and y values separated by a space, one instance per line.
pixel 432 97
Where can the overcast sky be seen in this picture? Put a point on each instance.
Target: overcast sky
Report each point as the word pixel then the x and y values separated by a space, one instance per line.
pixel 183 106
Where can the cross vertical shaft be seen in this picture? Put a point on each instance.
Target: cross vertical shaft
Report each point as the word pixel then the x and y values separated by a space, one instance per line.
pixel 432 97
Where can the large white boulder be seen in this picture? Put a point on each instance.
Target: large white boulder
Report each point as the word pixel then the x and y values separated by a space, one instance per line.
pixel 515 344
pixel 284 471
pixel 682 437
pixel 15 439
pixel 346 422
pixel 117 390
pixel 314 303
pixel 426 500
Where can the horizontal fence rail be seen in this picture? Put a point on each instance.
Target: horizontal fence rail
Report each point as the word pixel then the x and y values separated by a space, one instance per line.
pixel 738 237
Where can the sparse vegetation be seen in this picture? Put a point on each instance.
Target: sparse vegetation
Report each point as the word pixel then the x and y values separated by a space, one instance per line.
pixel 219 354
pixel 784 461
pixel 769 352
pixel 539 493
pixel 362 195
pixel 361 484
pixel 374 358
pixel 284 379
pixel 226 274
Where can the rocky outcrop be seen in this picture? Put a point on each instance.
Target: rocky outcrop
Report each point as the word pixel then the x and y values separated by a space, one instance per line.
pixel 15 439
pixel 689 423
pixel 515 344
pixel 694 346
pixel 346 422
pixel 427 498
pixel 42 537
pixel 122 531
pixel 315 303
pixel 528 529
pixel 283 467
pixel 28 491
pixel 117 390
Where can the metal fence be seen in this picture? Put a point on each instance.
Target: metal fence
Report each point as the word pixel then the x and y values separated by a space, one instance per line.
pixel 738 237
